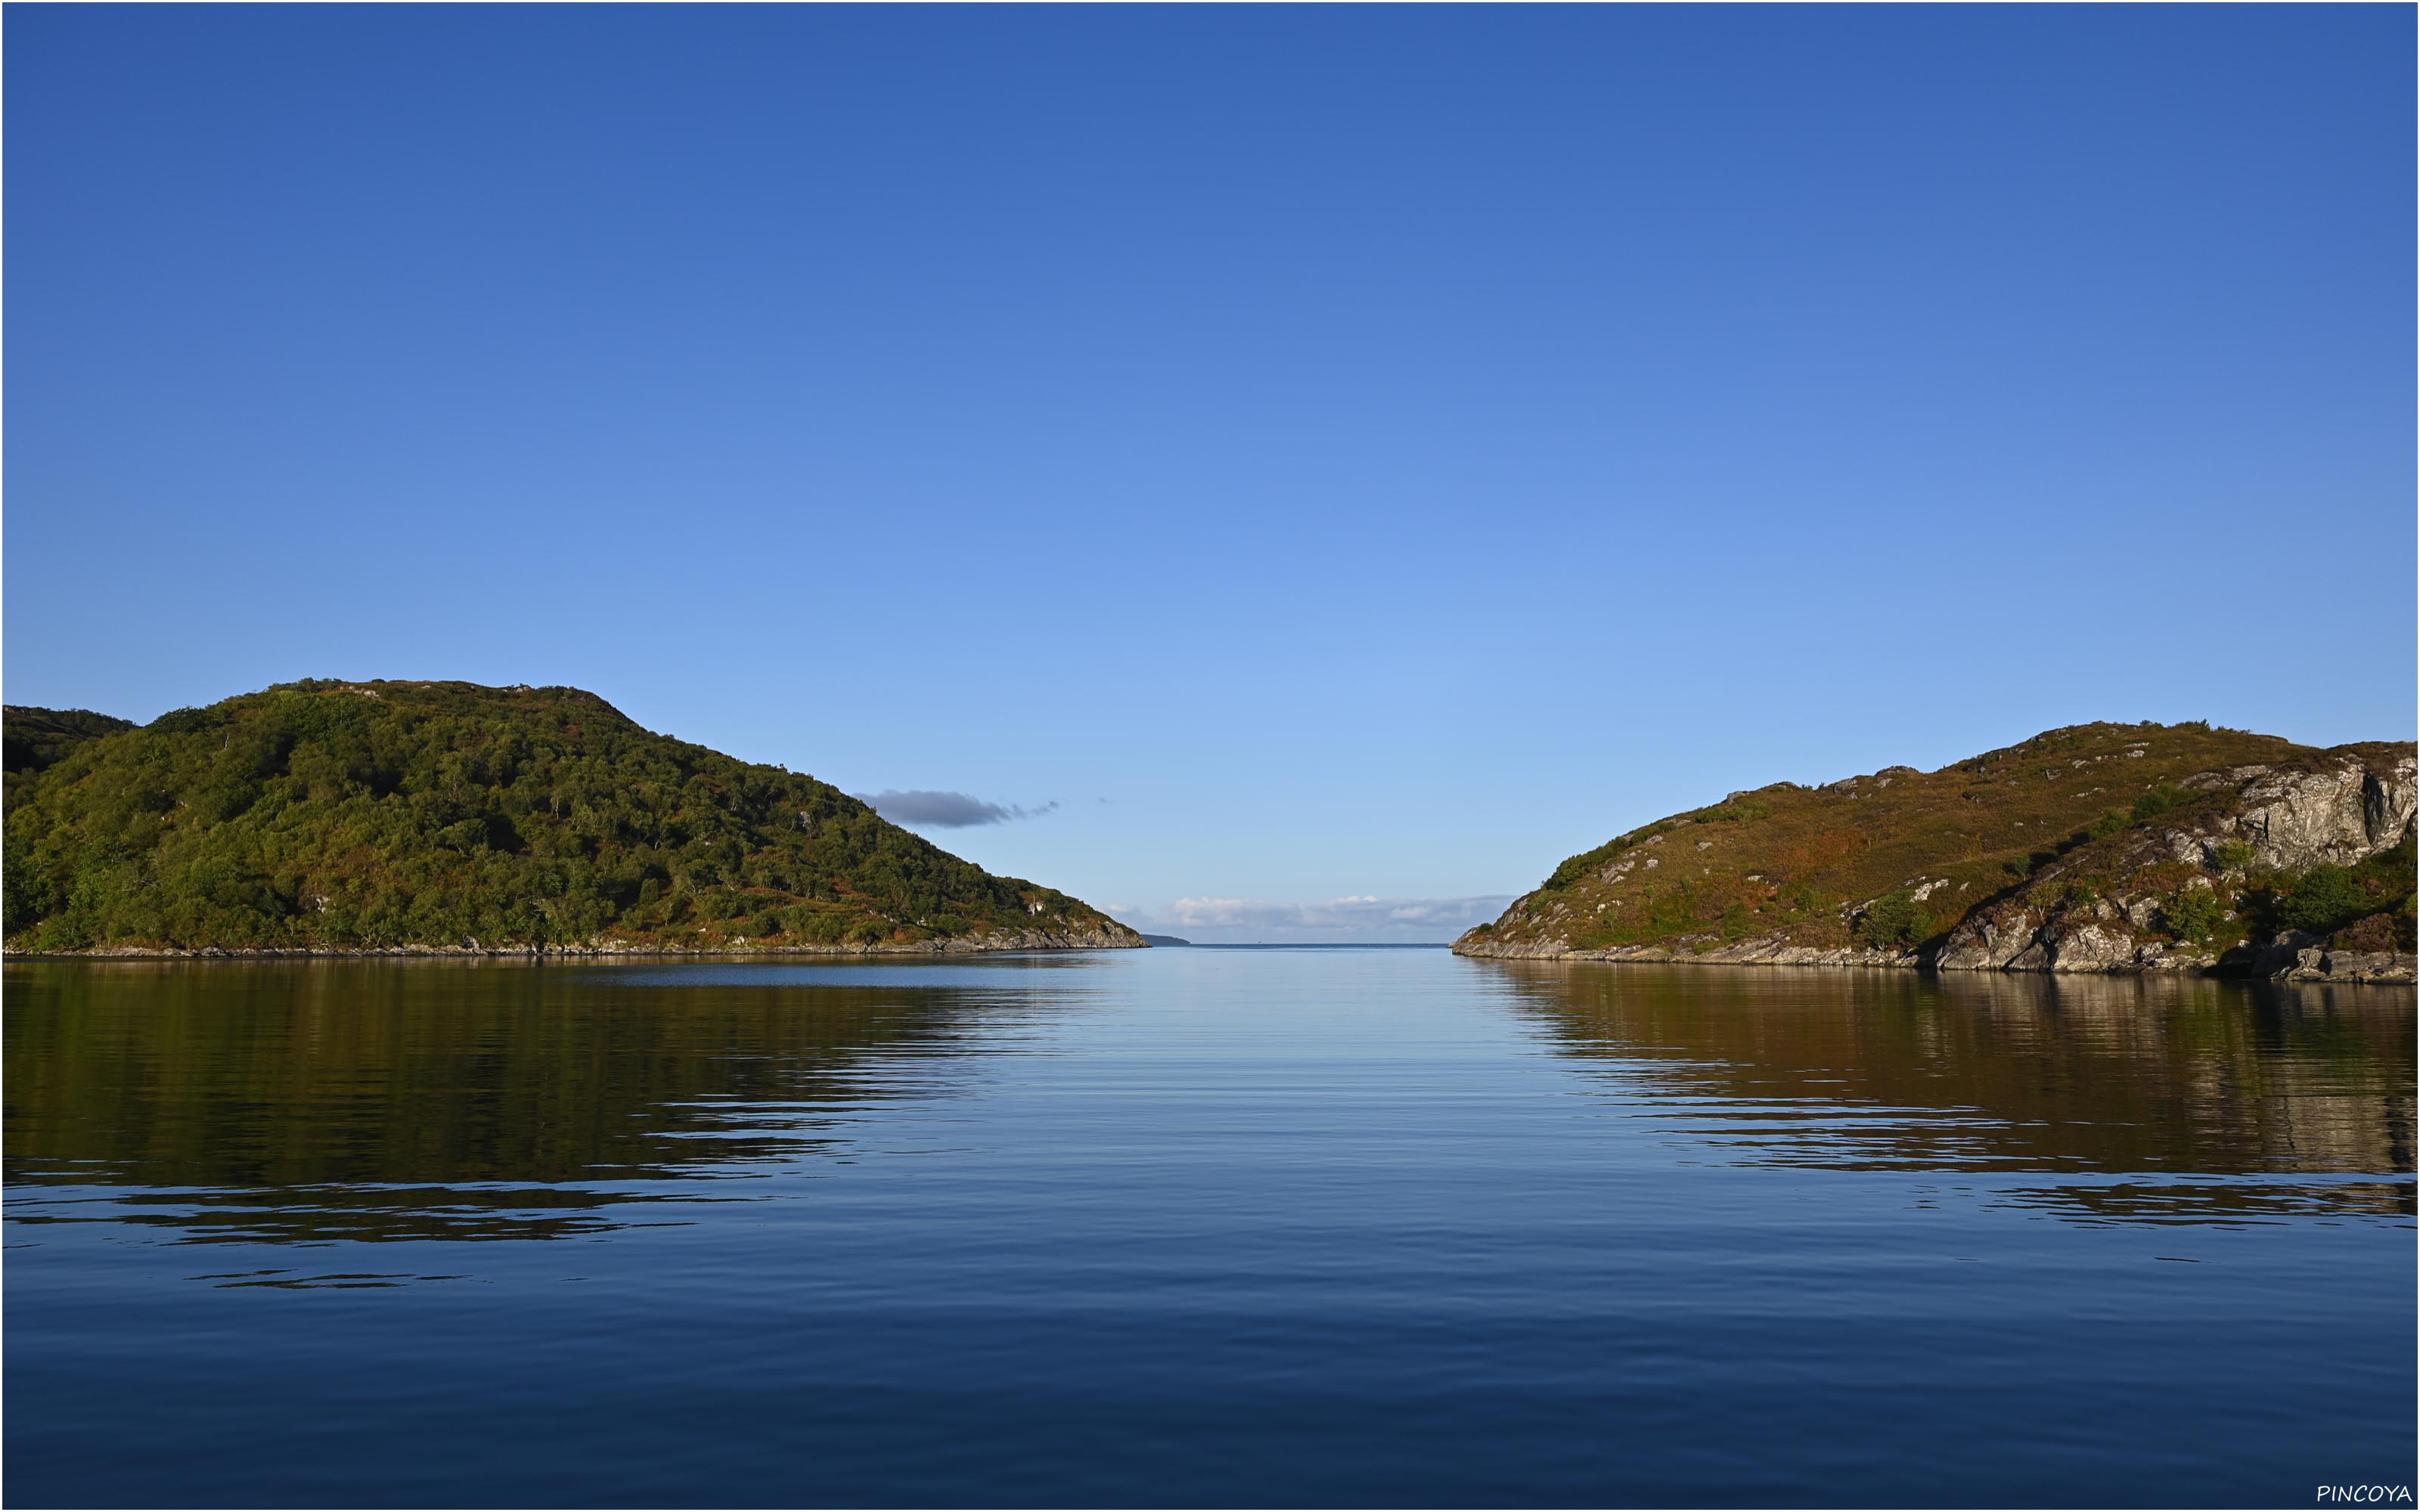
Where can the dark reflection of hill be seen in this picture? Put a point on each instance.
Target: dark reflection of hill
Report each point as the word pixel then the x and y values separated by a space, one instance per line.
pixel 2162 1080
pixel 306 1101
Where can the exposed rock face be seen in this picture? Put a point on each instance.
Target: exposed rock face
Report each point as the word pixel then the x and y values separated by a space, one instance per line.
pixel 2086 945
pixel 2340 809
pixel 1106 935
pixel 2349 965
pixel 1767 951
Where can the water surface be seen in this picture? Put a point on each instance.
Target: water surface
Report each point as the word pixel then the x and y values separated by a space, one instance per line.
pixel 1200 1227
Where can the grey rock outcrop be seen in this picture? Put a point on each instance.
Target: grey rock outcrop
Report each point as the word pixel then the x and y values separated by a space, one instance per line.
pixel 2090 944
pixel 1770 951
pixel 2382 967
pixel 2341 810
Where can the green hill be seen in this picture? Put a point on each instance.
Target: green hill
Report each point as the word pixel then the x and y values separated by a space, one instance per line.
pixel 442 816
pixel 2096 848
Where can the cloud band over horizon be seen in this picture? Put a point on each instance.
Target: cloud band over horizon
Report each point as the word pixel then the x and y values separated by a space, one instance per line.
pixel 1363 916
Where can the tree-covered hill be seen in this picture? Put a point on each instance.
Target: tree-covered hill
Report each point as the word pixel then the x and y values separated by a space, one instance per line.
pixel 384 815
pixel 2098 847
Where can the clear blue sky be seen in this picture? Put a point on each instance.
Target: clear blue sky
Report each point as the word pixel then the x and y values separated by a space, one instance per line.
pixel 1331 454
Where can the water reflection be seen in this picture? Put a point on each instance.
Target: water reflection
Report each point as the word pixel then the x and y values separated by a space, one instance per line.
pixel 2152 1100
pixel 314 1102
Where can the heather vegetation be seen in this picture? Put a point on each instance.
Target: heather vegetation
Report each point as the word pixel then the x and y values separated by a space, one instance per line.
pixel 334 815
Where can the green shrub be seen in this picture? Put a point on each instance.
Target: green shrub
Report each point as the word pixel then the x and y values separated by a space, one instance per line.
pixel 2159 800
pixel 820 927
pixel 1585 862
pixel 2196 915
pixel 2233 855
pixel 2323 900
pixel 1893 921
pixel 2329 898
pixel 1732 811
pixel 183 722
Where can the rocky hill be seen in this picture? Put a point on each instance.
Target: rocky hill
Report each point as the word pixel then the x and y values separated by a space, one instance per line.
pixel 446 817
pixel 2101 847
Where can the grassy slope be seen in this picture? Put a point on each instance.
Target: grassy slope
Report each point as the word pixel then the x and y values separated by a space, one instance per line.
pixel 1839 866
pixel 334 815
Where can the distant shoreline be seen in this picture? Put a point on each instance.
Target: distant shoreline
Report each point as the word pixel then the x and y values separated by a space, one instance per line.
pixel 1324 945
pixel 449 952
pixel 587 953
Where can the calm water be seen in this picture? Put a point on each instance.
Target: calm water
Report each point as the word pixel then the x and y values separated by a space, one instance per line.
pixel 1201 1227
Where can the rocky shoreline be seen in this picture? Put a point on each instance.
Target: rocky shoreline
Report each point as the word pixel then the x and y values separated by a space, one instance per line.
pixel 2287 959
pixel 991 944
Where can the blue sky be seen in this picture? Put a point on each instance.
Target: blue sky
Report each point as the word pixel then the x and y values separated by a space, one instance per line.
pixel 1308 469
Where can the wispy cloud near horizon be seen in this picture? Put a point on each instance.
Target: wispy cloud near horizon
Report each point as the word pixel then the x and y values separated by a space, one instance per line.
pixel 944 809
pixel 1364 917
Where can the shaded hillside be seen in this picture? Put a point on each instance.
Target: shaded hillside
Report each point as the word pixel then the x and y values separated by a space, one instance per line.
pixel 326 815
pixel 2099 847
pixel 32 739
